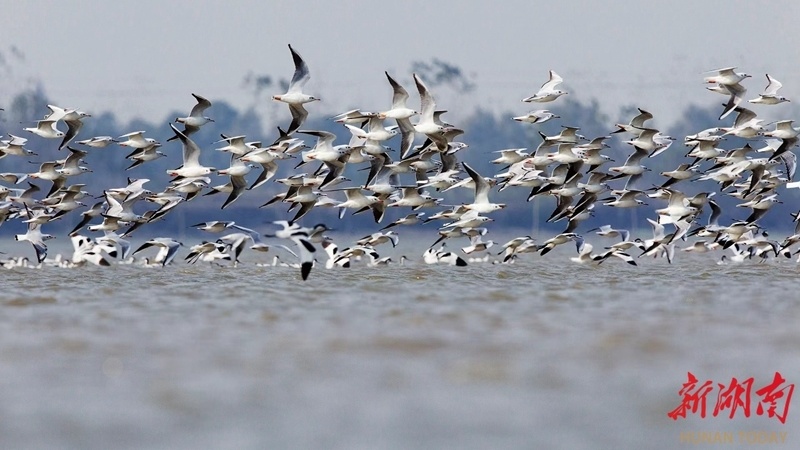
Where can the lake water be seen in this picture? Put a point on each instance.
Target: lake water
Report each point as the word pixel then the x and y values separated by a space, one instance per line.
pixel 543 353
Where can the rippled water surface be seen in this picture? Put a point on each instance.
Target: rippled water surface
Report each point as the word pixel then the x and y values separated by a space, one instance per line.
pixel 539 354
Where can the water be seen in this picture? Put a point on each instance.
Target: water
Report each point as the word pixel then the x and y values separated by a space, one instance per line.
pixel 540 354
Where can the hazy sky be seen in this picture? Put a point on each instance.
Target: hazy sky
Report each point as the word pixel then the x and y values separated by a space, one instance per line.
pixel 145 57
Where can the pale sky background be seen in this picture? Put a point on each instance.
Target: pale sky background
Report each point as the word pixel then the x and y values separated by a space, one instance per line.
pixel 144 58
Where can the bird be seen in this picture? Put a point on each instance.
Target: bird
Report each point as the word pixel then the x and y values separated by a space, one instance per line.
pixel 46 129
pixel 609 231
pixel 360 202
pixel 481 204
pixel 214 226
pixel 636 125
pixel 410 219
pixel 136 139
pixel 195 119
pixel 726 76
pixel 35 236
pixel 477 245
pixel 325 152
pixel 302 238
pixel 427 124
pixel 510 156
pixel 770 94
pixel 209 252
pixel 98 141
pixel 191 166
pixel 548 91
pixel 746 125
pixel 236 173
pixel 167 246
pixel 140 156
pixel 625 199
pixel 559 239
pixel 378 238
pixel 71 117
pixel 294 96
pixel 538 116
pixel 402 114
pixel 736 94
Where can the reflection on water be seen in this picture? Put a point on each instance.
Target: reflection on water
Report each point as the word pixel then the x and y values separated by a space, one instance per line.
pixel 542 354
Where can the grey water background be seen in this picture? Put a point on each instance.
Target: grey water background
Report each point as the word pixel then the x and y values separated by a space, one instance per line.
pixel 543 353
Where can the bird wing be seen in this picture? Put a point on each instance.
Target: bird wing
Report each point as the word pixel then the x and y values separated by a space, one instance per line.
pixel 400 95
pixel 301 73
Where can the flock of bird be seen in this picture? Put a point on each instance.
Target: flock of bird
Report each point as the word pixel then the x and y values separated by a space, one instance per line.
pixel 566 166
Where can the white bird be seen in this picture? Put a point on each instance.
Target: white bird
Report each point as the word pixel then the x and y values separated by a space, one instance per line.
pixel 136 139
pixel 584 253
pixel 71 117
pixel 85 250
pixel 97 141
pixel 360 202
pixel 46 129
pixel 168 247
pixel 548 91
pixel 302 237
pixel 700 247
pixel 625 199
pixel 682 172
pixel 111 241
pixel 195 119
pixel 559 239
pixel 15 146
pixel 401 113
pixel 477 245
pixel 399 109
pixel 375 130
pixel 433 256
pixel 208 252
pixel 140 156
pixel 413 199
pixel 510 156
pixel 35 236
pixel 214 226
pixel 258 244
pixel 678 208
pixel 746 125
pixel 636 125
pixel 632 166
pixel 608 231
pixel 190 186
pixel 237 184
pixel 294 96
pixel 736 94
pixel 121 210
pixel 481 204
pixel 236 145
pixel 376 239
pixel 94 211
pixel 411 219
pixel 470 219
pixel 305 196
pixel 71 167
pixel 726 76
pixel 191 159
pixel 538 116
pixel 770 95
pixel 450 259
pixel 267 159
pixel 427 124
pixel 783 130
